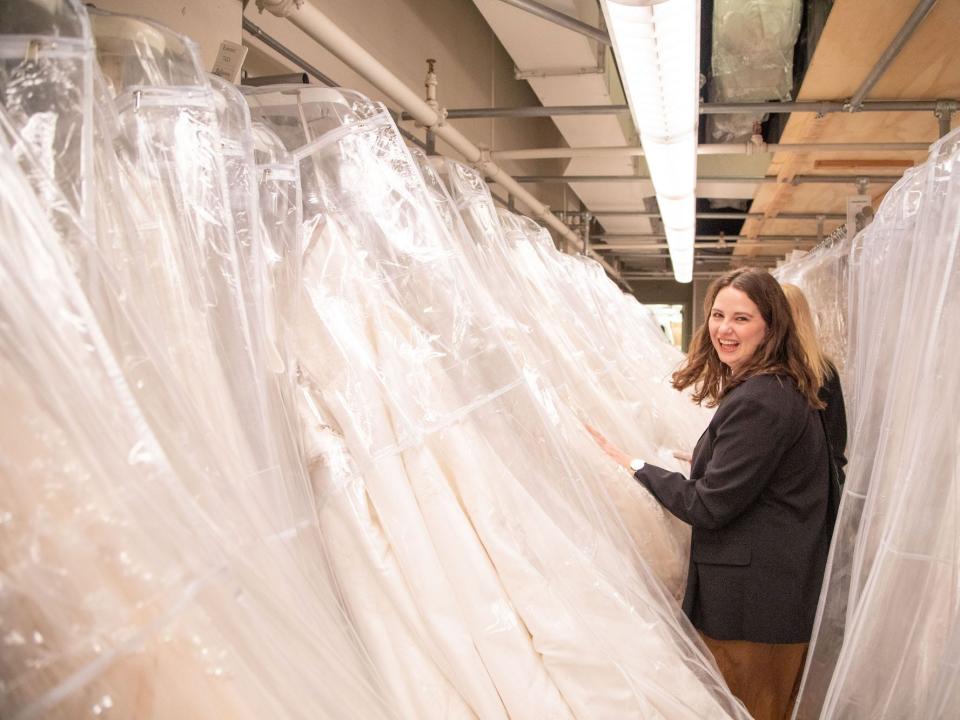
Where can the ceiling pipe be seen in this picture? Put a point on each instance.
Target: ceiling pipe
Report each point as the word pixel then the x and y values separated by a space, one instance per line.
pixel 558 18
pixel 899 40
pixel 321 29
pixel 300 78
pixel 639 249
pixel 733 179
pixel 720 240
pixel 824 107
pixel 747 148
pixel 666 275
pixel 715 215
pixel 285 52
pixel 702 259
pixel 279 48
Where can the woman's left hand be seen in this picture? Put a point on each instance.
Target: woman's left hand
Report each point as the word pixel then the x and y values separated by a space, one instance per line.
pixel 620 457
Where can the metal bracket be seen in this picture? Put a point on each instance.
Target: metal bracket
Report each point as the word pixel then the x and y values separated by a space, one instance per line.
pixel 484 161
pixel 944 109
pixel 280 8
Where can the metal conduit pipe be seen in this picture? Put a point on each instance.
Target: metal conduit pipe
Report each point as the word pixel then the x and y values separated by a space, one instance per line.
pixel 747 148
pixel 281 49
pixel 824 107
pixel 287 79
pixel 660 275
pixel 638 249
pixel 321 29
pixel 721 240
pixel 706 259
pixel 896 45
pixel 285 52
pixel 714 215
pixel 558 18
pixel 764 180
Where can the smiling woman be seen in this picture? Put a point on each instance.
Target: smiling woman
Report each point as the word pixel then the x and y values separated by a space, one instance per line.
pixel 758 493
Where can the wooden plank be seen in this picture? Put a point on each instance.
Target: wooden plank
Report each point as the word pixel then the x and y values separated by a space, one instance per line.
pixel 856 34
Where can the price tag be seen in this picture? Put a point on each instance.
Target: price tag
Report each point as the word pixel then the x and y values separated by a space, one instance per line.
pixel 229 61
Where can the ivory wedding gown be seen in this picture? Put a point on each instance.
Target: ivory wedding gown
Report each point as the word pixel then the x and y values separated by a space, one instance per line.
pixel 492 501
pixel 182 290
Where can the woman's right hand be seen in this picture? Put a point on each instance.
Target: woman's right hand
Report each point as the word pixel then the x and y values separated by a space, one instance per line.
pixel 681 455
pixel 618 455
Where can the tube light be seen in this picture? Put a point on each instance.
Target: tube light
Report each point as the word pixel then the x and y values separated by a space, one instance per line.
pixel 657 44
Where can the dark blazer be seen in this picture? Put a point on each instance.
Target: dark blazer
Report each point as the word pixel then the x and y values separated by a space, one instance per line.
pixel 835 420
pixel 757 500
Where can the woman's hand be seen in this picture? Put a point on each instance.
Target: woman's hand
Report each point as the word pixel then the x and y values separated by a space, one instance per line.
pixel 620 457
pixel 684 456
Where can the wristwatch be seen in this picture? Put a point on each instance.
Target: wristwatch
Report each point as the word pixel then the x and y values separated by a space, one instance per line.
pixel 637 465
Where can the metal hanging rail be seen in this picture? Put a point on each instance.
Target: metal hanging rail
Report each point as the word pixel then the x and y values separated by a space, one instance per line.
pixel 721 241
pixel 900 39
pixel 309 69
pixel 284 51
pixel 747 148
pixel 824 107
pixel 762 180
pixel 714 215
pixel 324 31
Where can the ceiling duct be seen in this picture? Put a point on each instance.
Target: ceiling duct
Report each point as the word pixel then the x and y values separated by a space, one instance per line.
pixel 752 59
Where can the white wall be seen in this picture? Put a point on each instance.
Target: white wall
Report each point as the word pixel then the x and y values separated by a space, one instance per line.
pixel 207 22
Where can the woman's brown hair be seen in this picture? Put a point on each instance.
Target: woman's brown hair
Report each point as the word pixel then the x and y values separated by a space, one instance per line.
pixel 780 352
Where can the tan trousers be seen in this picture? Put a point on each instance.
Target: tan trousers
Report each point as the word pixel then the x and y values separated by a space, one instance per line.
pixel 764 677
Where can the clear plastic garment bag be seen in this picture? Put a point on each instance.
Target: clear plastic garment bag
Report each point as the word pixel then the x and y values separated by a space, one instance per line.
pixel 478 559
pixel 160 559
pixel 548 339
pixel 885 645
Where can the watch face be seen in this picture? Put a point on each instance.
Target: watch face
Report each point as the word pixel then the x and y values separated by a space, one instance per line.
pixel 636 464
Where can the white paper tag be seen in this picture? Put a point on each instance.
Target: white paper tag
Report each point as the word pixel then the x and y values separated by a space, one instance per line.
pixel 229 61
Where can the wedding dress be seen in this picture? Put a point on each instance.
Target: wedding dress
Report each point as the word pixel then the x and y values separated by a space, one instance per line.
pixel 458 446
pixel 154 568
pixel 554 341
pixel 878 651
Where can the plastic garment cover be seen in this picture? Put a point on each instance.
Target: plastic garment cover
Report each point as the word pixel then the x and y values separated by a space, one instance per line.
pixel 46 71
pixel 155 565
pixel 555 339
pixel 752 59
pixel 885 644
pixel 824 275
pixel 475 548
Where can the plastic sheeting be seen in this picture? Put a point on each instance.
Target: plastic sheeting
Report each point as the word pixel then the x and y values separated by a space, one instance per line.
pixel 620 393
pixel 503 585
pixel 156 564
pixel 752 59
pixel 885 644
pixel 279 447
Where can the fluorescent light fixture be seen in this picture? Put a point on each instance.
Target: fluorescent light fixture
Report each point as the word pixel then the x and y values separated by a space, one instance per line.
pixel 657 43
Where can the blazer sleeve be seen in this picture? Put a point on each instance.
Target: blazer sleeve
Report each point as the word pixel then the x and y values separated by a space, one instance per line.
pixel 750 440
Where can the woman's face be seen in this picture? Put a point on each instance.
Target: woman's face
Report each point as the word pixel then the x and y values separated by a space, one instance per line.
pixel 736 327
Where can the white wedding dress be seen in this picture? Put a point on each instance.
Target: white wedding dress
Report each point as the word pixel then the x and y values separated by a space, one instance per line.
pixel 490 504
pixel 266 461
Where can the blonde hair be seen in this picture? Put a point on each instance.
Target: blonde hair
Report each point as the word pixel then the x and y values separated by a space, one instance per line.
pixel 807 332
